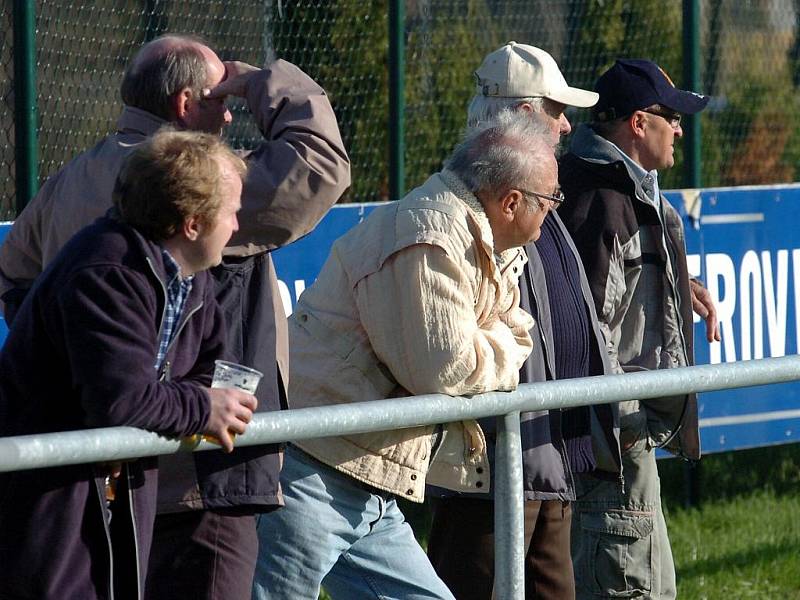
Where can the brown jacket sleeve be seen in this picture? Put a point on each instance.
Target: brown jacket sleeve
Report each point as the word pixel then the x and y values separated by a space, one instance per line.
pixel 300 169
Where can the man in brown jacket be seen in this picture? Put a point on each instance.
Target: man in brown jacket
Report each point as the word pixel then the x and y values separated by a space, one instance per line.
pixel 205 541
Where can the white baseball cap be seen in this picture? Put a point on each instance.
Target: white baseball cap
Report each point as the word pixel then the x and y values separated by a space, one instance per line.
pixel 520 71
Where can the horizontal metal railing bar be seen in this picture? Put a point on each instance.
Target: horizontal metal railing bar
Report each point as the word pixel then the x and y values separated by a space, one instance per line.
pixel 120 443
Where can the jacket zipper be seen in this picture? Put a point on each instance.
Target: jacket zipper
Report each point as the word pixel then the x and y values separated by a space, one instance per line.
pixel 164 292
pixel 569 476
pixel 135 534
pixel 668 247
pixel 184 320
pixel 104 512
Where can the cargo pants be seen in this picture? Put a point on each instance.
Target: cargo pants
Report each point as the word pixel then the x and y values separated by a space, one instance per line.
pixel 620 547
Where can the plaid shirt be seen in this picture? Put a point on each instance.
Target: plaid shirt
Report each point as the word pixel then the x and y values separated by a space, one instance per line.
pixel 178 290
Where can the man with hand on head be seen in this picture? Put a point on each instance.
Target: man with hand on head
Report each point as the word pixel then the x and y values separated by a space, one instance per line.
pixel 205 537
pixel 557 444
pixel 631 241
pixel 121 329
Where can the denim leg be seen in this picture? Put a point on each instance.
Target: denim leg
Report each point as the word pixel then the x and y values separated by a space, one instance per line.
pixel 300 542
pixel 620 546
pixel 332 523
pixel 387 564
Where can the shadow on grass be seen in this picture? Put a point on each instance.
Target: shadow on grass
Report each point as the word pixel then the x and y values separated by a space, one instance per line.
pixel 730 474
pixel 761 553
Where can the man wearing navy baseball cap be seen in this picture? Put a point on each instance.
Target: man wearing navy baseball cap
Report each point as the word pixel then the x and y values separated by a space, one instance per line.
pixel 631 243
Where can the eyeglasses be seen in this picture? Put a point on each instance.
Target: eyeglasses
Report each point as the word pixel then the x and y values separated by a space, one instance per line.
pixel 556 199
pixel 673 118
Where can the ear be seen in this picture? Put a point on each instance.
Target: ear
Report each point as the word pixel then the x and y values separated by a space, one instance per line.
pixel 525 107
pixel 510 203
pixel 181 104
pixel 192 229
pixel 638 124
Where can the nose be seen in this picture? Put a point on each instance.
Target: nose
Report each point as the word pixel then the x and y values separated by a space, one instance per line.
pixel 235 223
pixel 564 126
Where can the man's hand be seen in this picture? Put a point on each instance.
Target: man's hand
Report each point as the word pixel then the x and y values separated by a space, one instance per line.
pixel 703 305
pixel 231 411
pixel 235 82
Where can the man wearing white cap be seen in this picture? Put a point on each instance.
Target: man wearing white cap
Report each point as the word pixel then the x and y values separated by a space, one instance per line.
pixel 567 343
pixel 522 77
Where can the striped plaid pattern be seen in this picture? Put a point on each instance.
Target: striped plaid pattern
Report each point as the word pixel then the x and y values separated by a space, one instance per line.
pixel 178 289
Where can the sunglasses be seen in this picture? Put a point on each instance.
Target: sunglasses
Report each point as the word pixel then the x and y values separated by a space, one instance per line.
pixel 673 118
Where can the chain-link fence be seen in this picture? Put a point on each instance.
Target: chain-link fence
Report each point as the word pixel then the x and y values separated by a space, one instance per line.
pixel 750 63
pixel 7 162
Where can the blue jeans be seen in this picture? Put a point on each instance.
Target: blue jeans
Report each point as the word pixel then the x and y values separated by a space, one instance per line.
pixel 339 533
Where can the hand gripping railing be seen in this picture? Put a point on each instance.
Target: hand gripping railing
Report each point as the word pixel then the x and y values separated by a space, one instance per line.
pixel 117 443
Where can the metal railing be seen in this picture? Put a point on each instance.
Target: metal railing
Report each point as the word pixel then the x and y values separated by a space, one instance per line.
pixel 118 443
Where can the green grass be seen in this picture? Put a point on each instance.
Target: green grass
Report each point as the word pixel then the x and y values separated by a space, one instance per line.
pixel 745 547
pixel 743 540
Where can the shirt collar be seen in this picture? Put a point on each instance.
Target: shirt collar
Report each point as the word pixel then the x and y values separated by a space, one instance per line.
pixel 595 148
pixel 138 120
pixel 173 269
pixel 647 180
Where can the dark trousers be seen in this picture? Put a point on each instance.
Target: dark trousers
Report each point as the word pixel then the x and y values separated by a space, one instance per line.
pixel 202 555
pixel 461 548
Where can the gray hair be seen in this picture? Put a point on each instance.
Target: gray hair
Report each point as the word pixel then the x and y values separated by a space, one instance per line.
pixel 503 153
pixel 485 108
pixel 150 82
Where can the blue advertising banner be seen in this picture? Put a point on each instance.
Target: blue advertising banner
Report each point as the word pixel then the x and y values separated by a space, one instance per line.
pixel 744 245
pixel 741 243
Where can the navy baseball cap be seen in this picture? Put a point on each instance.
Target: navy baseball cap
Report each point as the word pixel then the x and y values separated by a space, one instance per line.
pixel 634 84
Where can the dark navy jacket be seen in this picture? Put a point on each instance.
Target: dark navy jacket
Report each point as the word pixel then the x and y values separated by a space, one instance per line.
pixel 546 466
pixel 81 354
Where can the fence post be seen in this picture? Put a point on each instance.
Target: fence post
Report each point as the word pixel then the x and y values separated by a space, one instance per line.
pixel 396 99
pixel 692 170
pixel 509 520
pixel 26 151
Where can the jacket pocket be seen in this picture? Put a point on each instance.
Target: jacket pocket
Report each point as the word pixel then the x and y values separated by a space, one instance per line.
pixel 618 546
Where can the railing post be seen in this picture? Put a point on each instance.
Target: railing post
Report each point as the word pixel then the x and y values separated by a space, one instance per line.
pixel 397 102
pixel 509 520
pixel 692 174
pixel 25 113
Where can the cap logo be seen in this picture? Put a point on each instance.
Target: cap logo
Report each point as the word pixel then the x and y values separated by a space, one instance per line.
pixel 664 73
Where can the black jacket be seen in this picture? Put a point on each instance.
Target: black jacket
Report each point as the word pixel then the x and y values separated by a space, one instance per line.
pixel 635 257
pixel 81 354
pixel 546 468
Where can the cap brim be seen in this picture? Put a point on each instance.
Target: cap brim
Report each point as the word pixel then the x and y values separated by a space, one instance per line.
pixel 575 97
pixel 684 102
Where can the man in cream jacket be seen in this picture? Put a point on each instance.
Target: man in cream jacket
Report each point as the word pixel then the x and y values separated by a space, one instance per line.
pixel 419 298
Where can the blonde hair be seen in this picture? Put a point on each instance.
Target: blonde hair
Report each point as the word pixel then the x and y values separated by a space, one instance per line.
pixel 173 176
